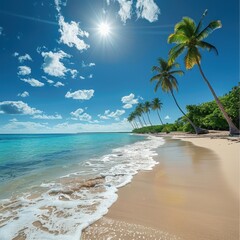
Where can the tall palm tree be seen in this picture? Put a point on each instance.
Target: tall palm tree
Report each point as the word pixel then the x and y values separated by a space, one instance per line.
pixel 189 36
pixel 138 114
pixel 166 80
pixel 146 109
pixel 157 105
pixel 130 121
pixel 133 116
pixel 140 111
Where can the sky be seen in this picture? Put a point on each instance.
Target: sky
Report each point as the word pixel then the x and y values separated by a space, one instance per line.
pixel 83 66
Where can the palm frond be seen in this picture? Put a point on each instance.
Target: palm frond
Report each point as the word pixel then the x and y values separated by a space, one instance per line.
pixel 175 52
pixel 163 64
pixel 178 37
pixel 156 68
pixel 200 23
pixel 209 29
pixel 186 26
pixel 179 72
pixel 157 86
pixel 192 57
pixel 156 77
pixel 207 46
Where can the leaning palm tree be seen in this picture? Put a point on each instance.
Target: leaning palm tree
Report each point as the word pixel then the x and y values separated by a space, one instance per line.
pixel 140 111
pixel 133 117
pixel 166 80
pixel 189 36
pixel 138 114
pixel 146 109
pixel 157 105
pixel 130 119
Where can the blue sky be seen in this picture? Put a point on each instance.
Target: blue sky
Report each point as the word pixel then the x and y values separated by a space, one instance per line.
pixel 60 73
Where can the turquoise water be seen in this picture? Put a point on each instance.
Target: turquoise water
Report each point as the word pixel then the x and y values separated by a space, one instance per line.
pixel 24 155
pixel 53 186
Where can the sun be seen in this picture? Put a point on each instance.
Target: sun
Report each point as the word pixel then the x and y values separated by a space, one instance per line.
pixel 104 29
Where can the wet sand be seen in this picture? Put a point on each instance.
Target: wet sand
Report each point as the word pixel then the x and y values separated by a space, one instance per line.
pixel 187 196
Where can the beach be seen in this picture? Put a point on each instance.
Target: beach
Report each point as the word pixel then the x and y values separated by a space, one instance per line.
pixel 193 193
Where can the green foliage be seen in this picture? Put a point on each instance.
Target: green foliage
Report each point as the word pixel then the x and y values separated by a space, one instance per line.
pixel 207 115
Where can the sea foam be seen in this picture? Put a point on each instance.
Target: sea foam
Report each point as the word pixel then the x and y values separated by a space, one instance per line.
pixel 63 208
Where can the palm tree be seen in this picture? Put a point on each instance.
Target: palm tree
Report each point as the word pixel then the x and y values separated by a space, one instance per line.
pixel 133 116
pixel 140 111
pixel 138 114
pixel 168 83
pixel 146 109
pixel 157 105
pixel 189 36
pixel 130 120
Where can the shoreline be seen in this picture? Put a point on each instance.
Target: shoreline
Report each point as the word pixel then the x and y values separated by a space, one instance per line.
pixel 197 198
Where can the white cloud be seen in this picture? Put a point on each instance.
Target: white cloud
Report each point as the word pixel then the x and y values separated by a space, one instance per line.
pixel 24 58
pixel 48 80
pixel 167 117
pixel 81 77
pixel 17 107
pixel 16 54
pixel 80 94
pixel 125 9
pixel 73 72
pixel 52 63
pixel 48 117
pixel 58 4
pixel 129 101
pixel 33 82
pixel 91 64
pixel 80 115
pixel 59 84
pixel 71 33
pixel 1 30
pixel 24 94
pixel 24 70
pixel 147 9
pixel 108 114
pixel 90 76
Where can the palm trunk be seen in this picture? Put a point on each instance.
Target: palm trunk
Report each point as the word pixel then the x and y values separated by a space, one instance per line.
pixel 159 117
pixel 232 128
pixel 132 125
pixel 136 124
pixel 148 118
pixel 196 129
pixel 139 119
pixel 144 120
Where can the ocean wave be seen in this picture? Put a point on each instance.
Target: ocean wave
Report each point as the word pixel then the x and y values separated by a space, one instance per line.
pixel 63 208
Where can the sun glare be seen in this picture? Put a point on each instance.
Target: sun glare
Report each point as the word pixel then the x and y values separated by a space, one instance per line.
pixel 104 29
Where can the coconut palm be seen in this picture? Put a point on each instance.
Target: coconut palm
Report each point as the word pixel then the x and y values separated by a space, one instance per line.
pixel 157 105
pixel 138 114
pixel 140 110
pixel 130 120
pixel 146 109
pixel 189 37
pixel 166 80
pixel 133 116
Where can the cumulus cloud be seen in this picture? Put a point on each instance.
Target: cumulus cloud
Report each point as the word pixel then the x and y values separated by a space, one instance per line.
pixel 52 63
pixel 47 117
pixel 59 84
pixel 33 82
pixel 71 34
pixel 80 94
pixel 148 10
pixel 17 107
pixel 125 10
pixel 90 76
pixel 81 77
pixel 167 117
pixel 114 115
pixel 24 94
pixel 80 115
pixel 129 101
pixel 58 4
pixel 23 58
pixel 91 64
pixel 24 70
pixel 73 72
pixel 15 54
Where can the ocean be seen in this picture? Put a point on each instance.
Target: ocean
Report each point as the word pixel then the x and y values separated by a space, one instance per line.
pixel 55 185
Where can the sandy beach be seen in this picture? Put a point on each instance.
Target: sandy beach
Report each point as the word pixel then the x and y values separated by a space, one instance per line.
pixel 193 193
